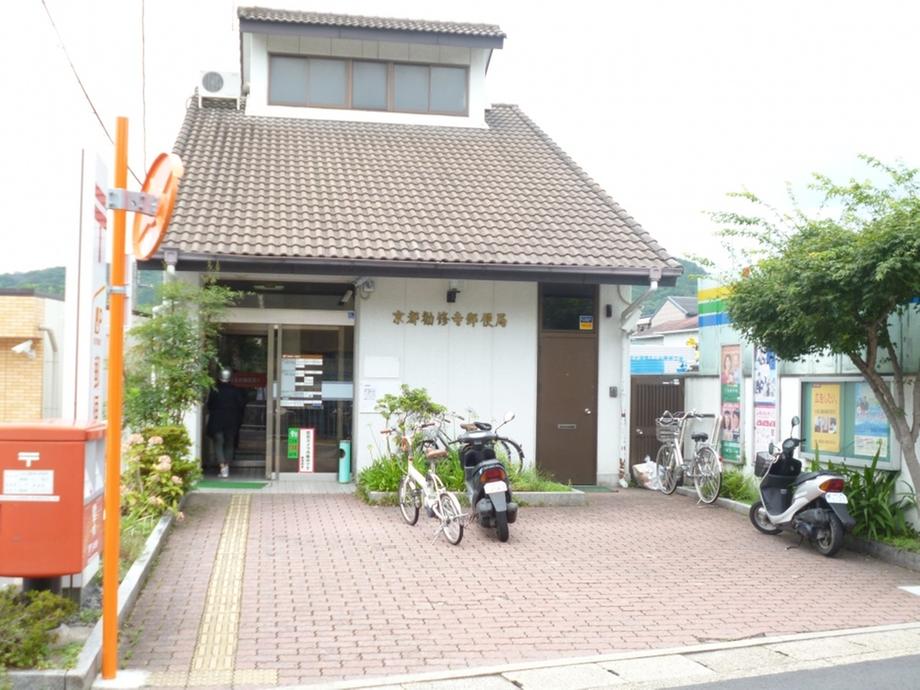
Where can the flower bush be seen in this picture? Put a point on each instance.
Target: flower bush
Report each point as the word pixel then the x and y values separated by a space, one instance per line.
pixel 159 472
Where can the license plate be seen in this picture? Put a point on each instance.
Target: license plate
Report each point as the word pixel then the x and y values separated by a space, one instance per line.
pixel 836 497
pixel 496 488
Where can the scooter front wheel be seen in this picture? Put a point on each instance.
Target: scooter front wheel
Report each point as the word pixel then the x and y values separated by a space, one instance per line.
pixel 759 519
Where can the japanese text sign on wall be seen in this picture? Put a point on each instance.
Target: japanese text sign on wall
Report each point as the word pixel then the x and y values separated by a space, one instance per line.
pixel 766 390
pixel 825 415
pixel 731 403
pixel 442 318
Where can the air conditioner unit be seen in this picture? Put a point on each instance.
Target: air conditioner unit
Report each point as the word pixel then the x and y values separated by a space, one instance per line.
pixel 219 85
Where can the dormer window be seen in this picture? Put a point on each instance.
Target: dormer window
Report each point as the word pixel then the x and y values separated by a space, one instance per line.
pixel 367 85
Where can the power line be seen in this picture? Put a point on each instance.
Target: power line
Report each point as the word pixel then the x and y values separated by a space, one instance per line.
pixel 73 68
pixel 144 79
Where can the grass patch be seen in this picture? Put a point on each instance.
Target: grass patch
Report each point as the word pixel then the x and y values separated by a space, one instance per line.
pixel 903 543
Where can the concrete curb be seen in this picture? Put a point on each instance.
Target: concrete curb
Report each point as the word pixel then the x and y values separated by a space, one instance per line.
pixel 736 506
pixel 530 498
pixel 881 551
pixel 82 675
pixel 479 672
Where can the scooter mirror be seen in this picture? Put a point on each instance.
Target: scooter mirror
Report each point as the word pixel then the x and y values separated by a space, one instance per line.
pixel 509 416
pixel 796 421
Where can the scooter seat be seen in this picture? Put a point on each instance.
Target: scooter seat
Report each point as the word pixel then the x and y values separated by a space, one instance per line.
pixel 805 476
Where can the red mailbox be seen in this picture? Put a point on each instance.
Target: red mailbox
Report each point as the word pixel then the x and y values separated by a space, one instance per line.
pixel 51 487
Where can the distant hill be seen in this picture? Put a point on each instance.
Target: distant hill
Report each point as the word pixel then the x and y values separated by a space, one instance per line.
pixel 47 280
pixel 686 285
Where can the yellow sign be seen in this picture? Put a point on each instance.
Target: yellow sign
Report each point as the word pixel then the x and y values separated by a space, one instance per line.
pixel 825 417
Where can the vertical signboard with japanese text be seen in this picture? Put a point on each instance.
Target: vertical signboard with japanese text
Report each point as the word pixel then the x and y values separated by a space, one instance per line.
pixel 766 392
pixel 97 279
pixel 307 448
pixel 825 417
pixel 730 380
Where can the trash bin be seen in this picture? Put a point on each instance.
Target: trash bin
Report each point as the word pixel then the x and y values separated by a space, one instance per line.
pixel 344 462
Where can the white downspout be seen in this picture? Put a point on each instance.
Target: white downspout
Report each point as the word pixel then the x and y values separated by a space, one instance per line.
pixel 627 329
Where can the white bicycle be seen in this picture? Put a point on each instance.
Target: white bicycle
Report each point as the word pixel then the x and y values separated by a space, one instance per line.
pixel 417 490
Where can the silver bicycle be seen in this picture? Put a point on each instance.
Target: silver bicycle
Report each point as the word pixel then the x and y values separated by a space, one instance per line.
pixel 704 468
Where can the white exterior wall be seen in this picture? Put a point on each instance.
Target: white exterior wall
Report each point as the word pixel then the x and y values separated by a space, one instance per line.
pixel 258 46
pixel 667 312
pixel 612 413
pixel 53 361
pixel 487 370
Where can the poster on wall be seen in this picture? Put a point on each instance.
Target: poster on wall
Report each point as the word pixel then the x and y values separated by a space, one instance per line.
pixel 731 402
pixel 825 417
pixel 301 380
pixel 307 438
pixel 871 430
pixel 766 390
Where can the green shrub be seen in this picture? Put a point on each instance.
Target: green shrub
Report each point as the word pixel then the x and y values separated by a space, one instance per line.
pixel 880 510
pixel 386 472
pixel 738 486
pixel 26 622
pixel 159 472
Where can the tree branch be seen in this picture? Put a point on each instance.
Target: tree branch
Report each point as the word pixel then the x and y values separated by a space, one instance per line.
pixel 898 374
pixel 881 390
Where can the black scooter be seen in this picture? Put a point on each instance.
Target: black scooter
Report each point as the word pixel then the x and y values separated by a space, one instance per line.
pixel 487 485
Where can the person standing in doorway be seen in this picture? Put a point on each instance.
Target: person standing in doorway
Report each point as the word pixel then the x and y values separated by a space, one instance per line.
pixel 225 415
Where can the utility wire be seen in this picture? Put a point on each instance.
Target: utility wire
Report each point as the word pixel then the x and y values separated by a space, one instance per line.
pixel 144 80
pixel 80 82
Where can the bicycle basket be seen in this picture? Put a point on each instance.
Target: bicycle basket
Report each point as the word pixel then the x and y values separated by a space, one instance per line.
pixel 762 463
pixel 667 430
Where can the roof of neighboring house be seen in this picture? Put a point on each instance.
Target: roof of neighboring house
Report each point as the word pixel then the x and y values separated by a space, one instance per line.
pixel 359 22
pixel 358 194
pixel 686 304
pixel 688 324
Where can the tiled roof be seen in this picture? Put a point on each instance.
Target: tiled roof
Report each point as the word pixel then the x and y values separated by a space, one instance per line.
pixel 264 14
pixel 686 303
pixel 336 191
pixel 687 324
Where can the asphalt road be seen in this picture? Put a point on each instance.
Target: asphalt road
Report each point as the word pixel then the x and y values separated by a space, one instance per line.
pixel 900 673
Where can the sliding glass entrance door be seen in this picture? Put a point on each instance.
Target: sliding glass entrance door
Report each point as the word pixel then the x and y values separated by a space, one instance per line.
pixel 312 389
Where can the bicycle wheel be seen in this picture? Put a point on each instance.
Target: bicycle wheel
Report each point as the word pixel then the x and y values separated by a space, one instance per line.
pixel 514 455
pixel 451 517
pixel 666 466
pixel 409 500
pixel 707 475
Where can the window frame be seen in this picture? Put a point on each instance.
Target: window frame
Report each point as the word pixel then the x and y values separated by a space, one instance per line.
pixel 390 86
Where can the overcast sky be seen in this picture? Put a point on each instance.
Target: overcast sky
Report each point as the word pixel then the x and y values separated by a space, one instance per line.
pixel 667 104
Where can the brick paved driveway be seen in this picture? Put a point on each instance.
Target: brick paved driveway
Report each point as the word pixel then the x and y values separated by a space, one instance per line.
pixel 335 589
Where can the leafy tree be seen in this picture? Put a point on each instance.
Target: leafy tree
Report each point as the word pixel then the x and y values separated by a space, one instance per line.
pixel 168 365
pixel 831 282
pixel 49 281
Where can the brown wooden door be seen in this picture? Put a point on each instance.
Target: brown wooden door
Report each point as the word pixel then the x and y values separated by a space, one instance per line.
pixel 567 407
pixel 650 396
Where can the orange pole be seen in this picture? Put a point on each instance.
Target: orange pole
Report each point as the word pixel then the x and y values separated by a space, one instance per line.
pixel 112 527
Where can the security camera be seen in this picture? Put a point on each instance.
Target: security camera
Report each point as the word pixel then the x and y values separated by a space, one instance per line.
pixel 365 286
pixel 24 348
pixel 349 293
